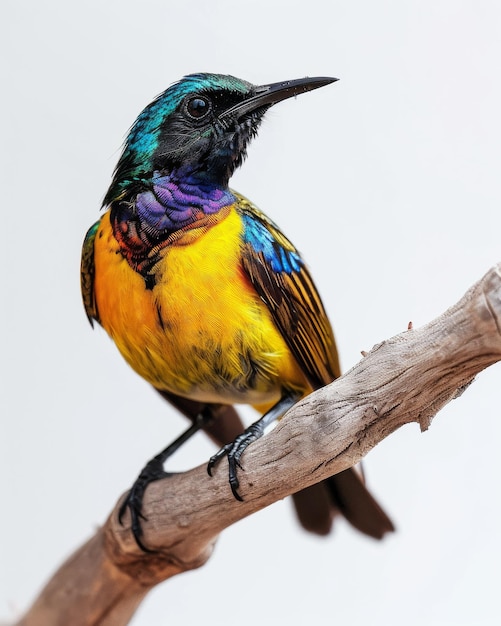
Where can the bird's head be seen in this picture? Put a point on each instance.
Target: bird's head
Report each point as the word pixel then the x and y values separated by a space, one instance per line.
pixel 199 128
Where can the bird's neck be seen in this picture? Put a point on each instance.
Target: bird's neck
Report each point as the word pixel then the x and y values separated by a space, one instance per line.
pixel 174 202
pixel 166 203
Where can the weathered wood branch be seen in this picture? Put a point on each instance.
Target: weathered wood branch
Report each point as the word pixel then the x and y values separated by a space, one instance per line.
pixel 407 378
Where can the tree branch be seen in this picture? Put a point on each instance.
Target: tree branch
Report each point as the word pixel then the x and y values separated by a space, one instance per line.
pixel 407 378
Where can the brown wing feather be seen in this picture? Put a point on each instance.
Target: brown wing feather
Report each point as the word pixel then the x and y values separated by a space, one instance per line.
pixel 291 297
pixel 87 271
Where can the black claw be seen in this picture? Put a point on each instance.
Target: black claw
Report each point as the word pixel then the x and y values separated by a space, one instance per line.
pixel 215 458
pixel 234 452
pixel 235 493
pixel 134 499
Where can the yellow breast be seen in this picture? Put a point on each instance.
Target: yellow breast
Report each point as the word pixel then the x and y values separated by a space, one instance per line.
pixel 201 331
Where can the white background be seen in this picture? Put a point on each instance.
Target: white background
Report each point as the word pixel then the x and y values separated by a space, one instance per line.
pixel 389 184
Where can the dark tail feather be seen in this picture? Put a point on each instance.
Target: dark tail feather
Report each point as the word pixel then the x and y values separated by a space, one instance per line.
pixel 345 494
pixel 315 509
pixel 316 506
pixel 356 503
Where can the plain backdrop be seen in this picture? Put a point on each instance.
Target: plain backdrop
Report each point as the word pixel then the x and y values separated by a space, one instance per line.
pixel 387 181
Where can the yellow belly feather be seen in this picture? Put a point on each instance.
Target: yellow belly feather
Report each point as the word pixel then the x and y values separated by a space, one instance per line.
pixel 202 331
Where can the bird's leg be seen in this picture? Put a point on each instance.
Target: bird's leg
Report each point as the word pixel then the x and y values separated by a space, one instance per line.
pixel 235 449
pixel 154 470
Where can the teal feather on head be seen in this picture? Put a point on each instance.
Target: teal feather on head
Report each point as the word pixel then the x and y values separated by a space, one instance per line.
pixel 143 137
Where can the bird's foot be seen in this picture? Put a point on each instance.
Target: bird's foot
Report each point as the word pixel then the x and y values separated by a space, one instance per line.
pixel 152 471
pixel 234 451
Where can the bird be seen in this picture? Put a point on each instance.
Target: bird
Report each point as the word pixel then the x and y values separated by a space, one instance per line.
pixel 202 293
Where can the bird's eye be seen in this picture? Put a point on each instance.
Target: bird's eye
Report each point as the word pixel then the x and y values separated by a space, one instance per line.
pixel 198 107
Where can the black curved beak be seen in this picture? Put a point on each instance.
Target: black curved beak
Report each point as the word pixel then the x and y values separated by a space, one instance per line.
pixel 268 95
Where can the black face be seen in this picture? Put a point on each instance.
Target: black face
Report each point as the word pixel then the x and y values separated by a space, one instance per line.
pixel 200 138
